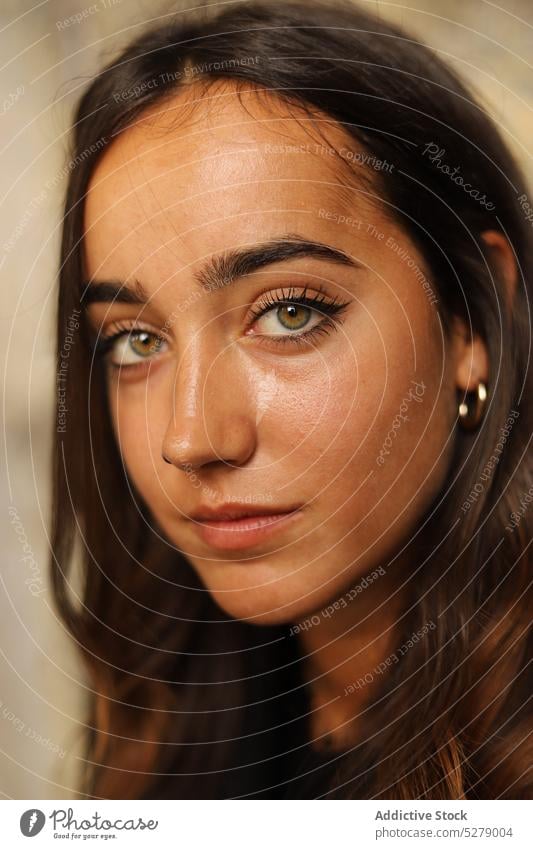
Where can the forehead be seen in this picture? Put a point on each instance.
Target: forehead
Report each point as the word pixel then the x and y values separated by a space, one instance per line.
pixel 214 168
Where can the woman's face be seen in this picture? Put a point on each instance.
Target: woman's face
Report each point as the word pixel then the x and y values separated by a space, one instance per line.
pixel 279 345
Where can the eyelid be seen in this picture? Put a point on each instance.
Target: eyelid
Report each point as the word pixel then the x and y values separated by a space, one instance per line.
pixel 127 325
pixel 330 309
pixel 106 338
pixel 292 294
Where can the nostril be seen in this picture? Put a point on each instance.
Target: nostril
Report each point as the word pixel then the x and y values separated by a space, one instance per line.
pixel 187 445
pixel 184 465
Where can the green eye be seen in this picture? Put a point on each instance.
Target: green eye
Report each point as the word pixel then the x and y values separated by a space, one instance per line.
pixel 144 343
pixel 134 346
pixel 288 320
pixel 293 316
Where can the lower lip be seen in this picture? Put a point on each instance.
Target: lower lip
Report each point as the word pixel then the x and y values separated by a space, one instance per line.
pixel 243 533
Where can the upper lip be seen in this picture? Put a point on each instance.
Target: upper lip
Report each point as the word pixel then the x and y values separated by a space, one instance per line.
pixel 237 511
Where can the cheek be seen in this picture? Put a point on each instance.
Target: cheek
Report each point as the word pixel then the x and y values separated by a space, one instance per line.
pixel 368 423
pixel 138 415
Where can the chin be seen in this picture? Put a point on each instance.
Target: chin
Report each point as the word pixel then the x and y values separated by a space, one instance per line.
pixel 260 607
pixel 264 591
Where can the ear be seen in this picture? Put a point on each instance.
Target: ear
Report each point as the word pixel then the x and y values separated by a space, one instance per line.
pixel 470 354
pixel 502 260
pixel 471 359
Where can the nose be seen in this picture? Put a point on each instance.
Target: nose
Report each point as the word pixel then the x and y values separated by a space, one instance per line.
pixel 211 420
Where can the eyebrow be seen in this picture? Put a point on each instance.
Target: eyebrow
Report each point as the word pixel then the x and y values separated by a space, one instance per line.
pixel 222 269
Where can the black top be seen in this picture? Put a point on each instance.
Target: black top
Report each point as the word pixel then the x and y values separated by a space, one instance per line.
pixel 311 775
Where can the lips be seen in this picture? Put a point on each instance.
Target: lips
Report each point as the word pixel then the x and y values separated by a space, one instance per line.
pixel 238 511
pixel 241 526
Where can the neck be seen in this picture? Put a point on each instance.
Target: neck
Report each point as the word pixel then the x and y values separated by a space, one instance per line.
pixel 346 653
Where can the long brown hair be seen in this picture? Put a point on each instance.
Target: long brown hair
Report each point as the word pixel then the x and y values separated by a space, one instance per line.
pixel 188 702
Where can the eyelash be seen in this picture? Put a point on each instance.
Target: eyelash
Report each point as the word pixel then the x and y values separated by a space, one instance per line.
pixel 323 304
pixel 106 340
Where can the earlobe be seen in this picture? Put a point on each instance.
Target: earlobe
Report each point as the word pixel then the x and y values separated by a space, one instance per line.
pixel 473 365
pixel 471 358
pixel 503 261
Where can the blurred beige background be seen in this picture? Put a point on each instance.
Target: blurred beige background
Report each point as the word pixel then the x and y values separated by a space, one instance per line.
pixel 43 70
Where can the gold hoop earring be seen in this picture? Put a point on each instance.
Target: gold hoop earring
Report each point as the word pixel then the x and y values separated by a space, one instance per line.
pixel 472 408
